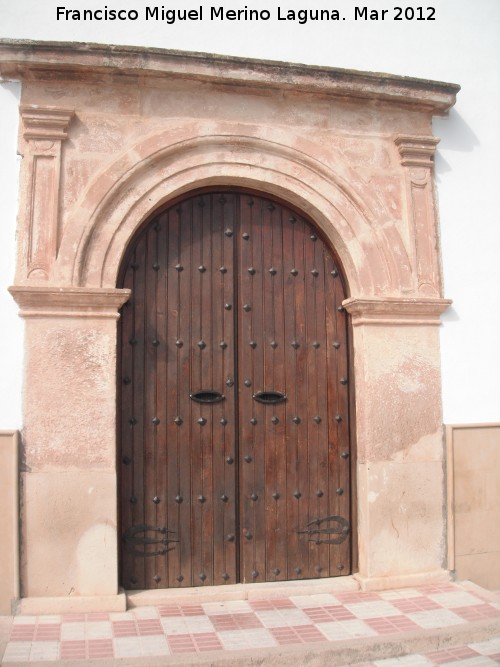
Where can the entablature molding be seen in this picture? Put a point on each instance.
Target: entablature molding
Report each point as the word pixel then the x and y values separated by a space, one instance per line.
pixel 396 311
pixel 416 151
pixel 49 123
pixel 69 302
pixel 36 59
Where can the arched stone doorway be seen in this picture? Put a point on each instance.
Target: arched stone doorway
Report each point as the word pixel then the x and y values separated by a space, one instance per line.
pixel 234 439
pixel 352 151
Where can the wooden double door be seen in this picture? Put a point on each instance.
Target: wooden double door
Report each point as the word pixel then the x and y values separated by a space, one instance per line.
pixel 234 460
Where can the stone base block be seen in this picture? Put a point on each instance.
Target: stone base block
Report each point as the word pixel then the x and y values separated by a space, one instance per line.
pixel 402 580
pixel 72 605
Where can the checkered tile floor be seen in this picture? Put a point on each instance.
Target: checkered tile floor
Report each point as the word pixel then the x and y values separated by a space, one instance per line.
pixel 254 624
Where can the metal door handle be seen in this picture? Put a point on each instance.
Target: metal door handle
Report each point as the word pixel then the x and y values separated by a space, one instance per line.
pixel 269 397
pixel 207 396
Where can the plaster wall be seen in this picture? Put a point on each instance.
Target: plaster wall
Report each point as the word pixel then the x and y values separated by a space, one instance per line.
pixel 9 520
pixel 474 502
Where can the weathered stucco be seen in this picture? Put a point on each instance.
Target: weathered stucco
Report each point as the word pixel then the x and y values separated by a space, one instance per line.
pixel 107 136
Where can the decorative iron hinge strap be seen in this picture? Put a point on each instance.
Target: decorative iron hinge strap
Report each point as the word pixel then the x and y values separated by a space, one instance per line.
pixel 341 528
pixel 132 540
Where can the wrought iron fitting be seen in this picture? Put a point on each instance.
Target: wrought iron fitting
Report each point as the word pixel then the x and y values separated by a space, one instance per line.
pixel 335 534
pixel 134 540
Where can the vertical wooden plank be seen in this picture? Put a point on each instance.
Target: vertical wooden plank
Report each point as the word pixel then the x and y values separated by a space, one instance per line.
pixel 288 543
pixel 159 343
pixel 137 419
pixel 200 345
pixel 178 464
pixel 319 552
pixel 189 374
pixel 125 432
pixel 264 544
pixel 323 472
pixel 340 554
pixel 149 409
pixel 250 350
pixel 225 379
pixel 276 527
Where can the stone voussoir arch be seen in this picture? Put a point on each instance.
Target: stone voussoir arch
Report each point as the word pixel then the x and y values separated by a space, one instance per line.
pixel 119 199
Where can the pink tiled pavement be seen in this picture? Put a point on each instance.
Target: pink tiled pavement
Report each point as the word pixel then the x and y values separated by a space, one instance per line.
pixel 243 624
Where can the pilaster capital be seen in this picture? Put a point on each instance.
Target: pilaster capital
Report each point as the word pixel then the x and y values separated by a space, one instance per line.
pixel 74 302
pixel 392 310
pixel 416 151
pixel 49 123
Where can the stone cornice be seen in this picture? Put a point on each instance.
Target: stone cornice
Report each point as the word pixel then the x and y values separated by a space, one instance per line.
pixel 71 302
pixel 33 59
pixel 392 310
pixel 46 122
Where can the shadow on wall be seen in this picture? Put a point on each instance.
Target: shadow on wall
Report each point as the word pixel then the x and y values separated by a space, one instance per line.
pixel 456 135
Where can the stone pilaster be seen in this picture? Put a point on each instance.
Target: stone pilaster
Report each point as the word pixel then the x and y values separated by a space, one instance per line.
pixel 68 480
pixel 400 463
pixel 417 155
pixel 43 132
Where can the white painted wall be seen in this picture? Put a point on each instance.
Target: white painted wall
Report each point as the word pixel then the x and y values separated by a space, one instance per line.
pixel 461 46
pixel 11 328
